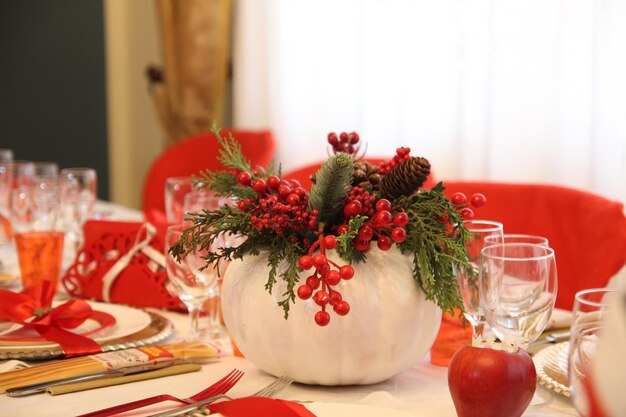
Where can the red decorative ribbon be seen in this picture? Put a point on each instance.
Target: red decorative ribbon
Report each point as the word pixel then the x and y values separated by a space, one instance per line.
pixel 260 407
pixel 32 308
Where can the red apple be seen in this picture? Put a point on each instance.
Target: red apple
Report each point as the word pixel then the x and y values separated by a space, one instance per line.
pixel 486 382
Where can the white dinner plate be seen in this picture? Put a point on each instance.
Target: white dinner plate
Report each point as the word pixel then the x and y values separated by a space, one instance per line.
pixel 361 410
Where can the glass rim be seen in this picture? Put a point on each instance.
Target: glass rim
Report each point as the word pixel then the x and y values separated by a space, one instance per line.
pixel 549 250
pixel 518 235
pixel 579 296
pixel 495 226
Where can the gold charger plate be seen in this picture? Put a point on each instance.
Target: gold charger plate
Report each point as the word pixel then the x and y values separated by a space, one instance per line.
pixel 551 366
pixel 157 328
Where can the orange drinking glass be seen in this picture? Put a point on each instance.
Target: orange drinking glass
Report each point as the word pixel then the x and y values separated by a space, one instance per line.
pixel 40 255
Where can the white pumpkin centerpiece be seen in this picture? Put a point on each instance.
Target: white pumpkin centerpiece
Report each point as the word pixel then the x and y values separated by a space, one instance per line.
pixel 390 326
pixel 340 285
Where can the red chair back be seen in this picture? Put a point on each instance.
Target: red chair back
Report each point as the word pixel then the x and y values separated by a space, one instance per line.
pixel 303 175
pixel 587 232
pixel 196 154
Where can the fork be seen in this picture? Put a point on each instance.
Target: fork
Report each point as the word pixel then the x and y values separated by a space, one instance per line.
pixel 220 387
pixel 268 391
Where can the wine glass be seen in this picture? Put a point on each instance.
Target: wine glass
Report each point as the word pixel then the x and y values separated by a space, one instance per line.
pixel 517 238
pixel 190 277
pixel 35 206
pixel 196 202
pixel 78 195
pixel 6 182
pixel 468 278
pixel 518 284
pixel 590 310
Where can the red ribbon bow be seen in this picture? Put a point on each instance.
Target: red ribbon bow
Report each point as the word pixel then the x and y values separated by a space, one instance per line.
pixel 32 308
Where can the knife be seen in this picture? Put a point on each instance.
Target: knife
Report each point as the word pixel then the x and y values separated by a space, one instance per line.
pixel 42 386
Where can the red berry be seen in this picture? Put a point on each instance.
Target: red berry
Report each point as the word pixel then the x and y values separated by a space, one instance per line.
pixel 383 218
pixel 295 183
pixel 478 200
pixel 362 245
pixel 467 213
pixel 353 208
pixel 383 204
pixel 292 199
pixel 284 190
pixel 304 292
pixel 343 229
pixel 332 138
pixel 305 262
pixel 343 137
pixel 301 192
pixel 333 278
pixel 342 308
pixel 335 297
pixel 366 233
pixel 346 271
pixel 319 260
pixel 322 318
pixel 241 205
pixel 244 178
pixel 401 219
pixel 330 242
pixel 321 298
pixel 259 186
pixel 273 182
pixel 443 217
pixel 353 138
pixel 384 242
pixel 458 199
pixel 313 282
pixel 398 235
pixel 350 149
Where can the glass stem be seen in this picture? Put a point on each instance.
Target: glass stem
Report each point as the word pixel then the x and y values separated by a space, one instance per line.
pixel 478 330
pixel 194 315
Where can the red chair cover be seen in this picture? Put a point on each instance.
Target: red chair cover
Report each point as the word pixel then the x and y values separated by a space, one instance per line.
pixel 303 175
pixel 197 154
pixel 587 232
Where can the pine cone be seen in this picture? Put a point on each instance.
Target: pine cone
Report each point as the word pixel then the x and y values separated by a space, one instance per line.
pixel 366 175
pixel 405 178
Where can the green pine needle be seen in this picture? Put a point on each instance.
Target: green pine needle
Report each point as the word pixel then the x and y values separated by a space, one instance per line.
pixel 331 186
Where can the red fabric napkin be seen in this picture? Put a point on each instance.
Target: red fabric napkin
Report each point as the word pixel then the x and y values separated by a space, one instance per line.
pixel 260 407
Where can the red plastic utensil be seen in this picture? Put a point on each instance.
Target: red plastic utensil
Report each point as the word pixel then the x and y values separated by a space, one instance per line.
pixel 220 387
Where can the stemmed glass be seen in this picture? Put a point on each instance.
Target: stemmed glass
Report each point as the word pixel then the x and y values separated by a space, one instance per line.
pixel 468 278
pixel 517 238
pixel 190 277
pixel 6 182
pixel 590 310
pixel 197 202
pixel 518 284
pixel 176 188
pixel 78 195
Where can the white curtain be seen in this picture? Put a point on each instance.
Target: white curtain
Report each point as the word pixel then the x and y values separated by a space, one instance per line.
pixel 502 90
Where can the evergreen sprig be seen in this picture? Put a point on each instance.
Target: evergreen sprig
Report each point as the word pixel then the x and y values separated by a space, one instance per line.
pixel 436 250
pixel 345 242
pixel 331 186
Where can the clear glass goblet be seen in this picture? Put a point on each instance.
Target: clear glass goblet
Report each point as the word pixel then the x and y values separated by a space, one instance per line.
pixel 176 188
pixel 191 276
pixel 468 278
pixel 518 285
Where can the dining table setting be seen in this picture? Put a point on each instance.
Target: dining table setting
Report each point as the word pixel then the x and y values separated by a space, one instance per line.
pixel 250 295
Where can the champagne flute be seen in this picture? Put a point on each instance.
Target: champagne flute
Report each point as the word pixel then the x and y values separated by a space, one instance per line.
pixel 176 188
pixel 590 311
pixel 190 277
pixel 480 230
pixel 78 195
pixel 197 202
pixel 518 285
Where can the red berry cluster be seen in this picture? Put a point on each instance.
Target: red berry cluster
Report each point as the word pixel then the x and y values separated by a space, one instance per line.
pixel 460 201
pixel 319 284
pixel 402 154
pixel 385 227
pixel 358 201
pixel 281 206
pixel 345 142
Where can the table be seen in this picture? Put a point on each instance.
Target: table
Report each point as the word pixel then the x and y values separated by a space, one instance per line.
pixel 421 391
